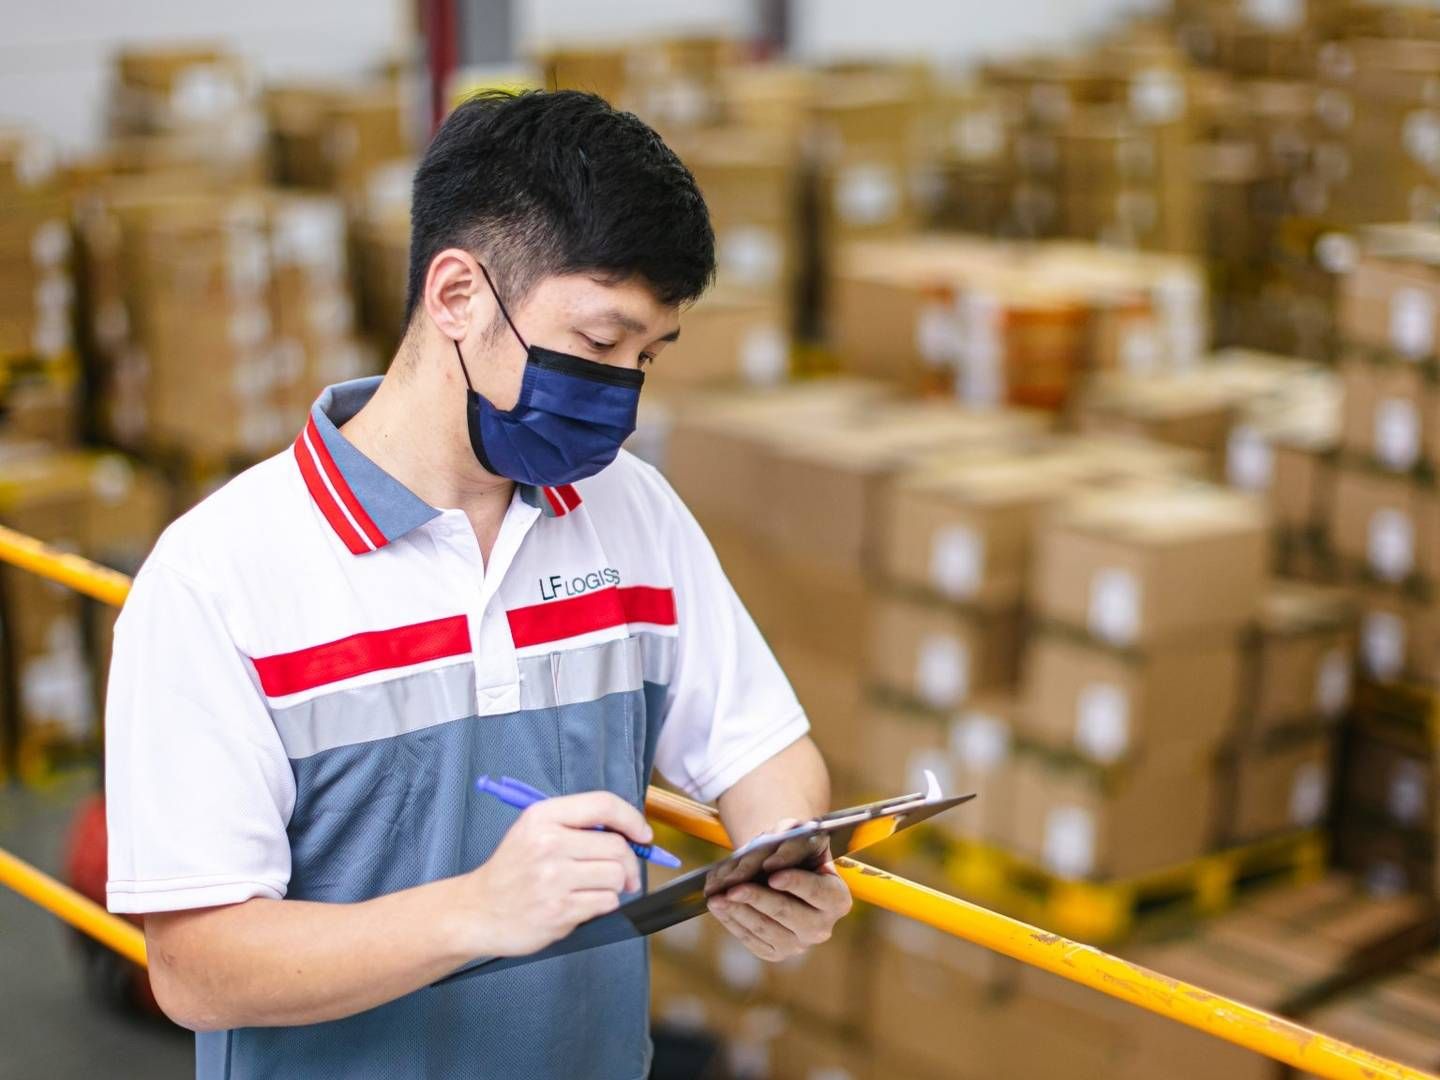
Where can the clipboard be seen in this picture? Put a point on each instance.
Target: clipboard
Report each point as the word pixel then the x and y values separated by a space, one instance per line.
pixel 809 844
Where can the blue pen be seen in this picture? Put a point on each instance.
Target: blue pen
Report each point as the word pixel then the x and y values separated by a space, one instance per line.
pixel 514 793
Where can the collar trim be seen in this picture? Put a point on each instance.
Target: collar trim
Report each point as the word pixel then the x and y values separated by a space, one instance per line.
pixel 336 500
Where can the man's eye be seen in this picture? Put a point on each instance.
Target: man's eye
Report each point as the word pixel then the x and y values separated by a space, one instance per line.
pixel 598 346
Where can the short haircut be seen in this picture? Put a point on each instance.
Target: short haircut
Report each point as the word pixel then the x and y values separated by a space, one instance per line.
pixel 554 182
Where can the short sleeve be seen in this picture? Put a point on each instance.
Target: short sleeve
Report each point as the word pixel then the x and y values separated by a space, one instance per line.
pixel 198 787
pixel 729 707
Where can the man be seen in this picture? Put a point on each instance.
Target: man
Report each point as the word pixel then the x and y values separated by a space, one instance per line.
pixel 455 571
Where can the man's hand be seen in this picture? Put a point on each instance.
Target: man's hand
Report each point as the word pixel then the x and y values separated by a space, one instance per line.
pixel 795 910
pixel 553 871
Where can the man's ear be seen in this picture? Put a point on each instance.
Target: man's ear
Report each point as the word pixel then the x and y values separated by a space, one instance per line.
pixel 454 290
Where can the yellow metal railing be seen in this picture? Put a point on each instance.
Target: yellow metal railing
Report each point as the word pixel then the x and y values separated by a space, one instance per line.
pixel 1222 1017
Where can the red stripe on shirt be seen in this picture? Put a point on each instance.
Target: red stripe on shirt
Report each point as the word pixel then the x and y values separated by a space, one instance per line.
pixel 646 604
pixel 337 480
pixel 352 539
pixel 374 650
pixel 569 495
pixel 555 620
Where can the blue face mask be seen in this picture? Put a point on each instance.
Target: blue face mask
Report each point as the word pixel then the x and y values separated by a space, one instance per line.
pixel 571 418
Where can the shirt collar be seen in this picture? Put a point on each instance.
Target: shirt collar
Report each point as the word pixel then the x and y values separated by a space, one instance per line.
pixel 365 505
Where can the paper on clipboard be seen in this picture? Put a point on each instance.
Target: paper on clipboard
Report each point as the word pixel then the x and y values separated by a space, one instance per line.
pixel 809 844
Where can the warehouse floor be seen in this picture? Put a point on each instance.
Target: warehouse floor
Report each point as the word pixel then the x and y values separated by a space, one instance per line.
pixel 52 1027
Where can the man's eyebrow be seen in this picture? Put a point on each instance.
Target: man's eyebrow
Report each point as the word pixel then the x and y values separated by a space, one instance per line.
pixel 631 325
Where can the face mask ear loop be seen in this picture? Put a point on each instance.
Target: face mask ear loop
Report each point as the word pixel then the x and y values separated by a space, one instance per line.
pixel 496 293
pixel 459 356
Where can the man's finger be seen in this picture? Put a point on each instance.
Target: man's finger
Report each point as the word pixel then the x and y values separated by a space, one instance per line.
pixel 763 949
pixel 763 925
pixel 592 808
pixel 825 892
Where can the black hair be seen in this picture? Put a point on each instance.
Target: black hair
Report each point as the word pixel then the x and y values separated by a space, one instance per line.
pixel 553 182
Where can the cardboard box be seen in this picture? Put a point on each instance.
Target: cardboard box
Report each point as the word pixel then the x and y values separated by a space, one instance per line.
pixel 941 656
pixel 1399 635
pixel 1389 416
pixel 964 529
pixel 1080 820
pixel 968 750
pixel 727 337
pixel 1390 302
pixel 1302 665
pixel 1389 776
pixel 1280 784
pixel 1386 528
pixel 333 136
pixel 1108 706
pixel 1138 568
pixel 831 488
pixel 805 1051
pixel 748 179
pixel 917 971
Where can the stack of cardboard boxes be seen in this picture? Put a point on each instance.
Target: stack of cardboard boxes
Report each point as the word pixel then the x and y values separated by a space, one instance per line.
pixel 1385 516
pixel 994 323
pixel 255 283
pixel 38 369
pixel 1132 681
pixel 188 108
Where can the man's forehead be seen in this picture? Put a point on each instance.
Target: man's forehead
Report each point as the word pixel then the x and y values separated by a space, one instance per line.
pixel 629 305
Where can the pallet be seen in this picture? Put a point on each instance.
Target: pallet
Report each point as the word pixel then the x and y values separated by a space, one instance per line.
pixel 63 367
pixel 1102 912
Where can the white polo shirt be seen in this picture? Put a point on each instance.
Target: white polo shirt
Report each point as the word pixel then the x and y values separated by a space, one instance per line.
pixel 314 666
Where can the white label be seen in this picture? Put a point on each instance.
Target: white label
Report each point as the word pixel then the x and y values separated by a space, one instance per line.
pixel 764 355
pixel 1397 433
pixel 942 670
pixel 1276 14
pixel 55 686
pixel 1421 136
pixel 828 1072
pixel 957 561
pixel 1308 794
pixel 867 194
pixel 980 741
pixel 112 479
pixel 312 234
pixel 750 255
pixel 937 334
pixel 1391 544
pixel 203 91
pixel 1337 253
pixel 1115 606
pixel 1140 350
pixel 1386 878
pixel 928 761
pixel 740 969
pixel 1249 459
pixel 979 135
pixel 1382 644
pixel 1157 96
pixel 1412 322
pixel 1102 721
pixel 1069 845
pixel 1332 683
pixel 49 244
pixel 36 163
pixel 330 314
pixel 1405 796
pixel 249 326
pixel 51 335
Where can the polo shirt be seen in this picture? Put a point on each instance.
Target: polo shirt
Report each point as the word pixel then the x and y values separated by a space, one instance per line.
pixel 313 667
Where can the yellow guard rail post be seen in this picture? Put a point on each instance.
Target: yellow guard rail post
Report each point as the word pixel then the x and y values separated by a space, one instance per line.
pixel 1222 1017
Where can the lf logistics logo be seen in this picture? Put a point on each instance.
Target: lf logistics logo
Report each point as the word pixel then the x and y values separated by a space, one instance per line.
pixel 557 585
